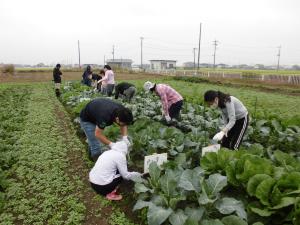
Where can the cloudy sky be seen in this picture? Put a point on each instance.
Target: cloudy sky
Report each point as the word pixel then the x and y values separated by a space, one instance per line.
pixel 247 31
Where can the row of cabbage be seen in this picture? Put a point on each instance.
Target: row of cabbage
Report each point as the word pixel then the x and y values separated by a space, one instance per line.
pixel 259 184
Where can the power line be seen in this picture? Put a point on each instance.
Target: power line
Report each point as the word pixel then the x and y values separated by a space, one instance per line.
pixel 199 48
pixel 165 48
pixel 168 41
pixel 78 45
pixel 142 52
pixel 215 43
pixel 278 55
pixel 194 50
pixel 113 52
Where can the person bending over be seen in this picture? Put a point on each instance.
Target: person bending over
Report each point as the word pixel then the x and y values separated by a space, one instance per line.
pixel 235 117
pixel 98 114
pixel 109 171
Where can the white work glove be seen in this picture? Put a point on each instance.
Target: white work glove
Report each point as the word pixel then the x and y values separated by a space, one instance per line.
pixel 219 136
pixel 136 177
pixel 168 118
pixel 126 140
pixel 111 144
pixel 136 174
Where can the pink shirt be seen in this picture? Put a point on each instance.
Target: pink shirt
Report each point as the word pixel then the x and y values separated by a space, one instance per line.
pixel 109 78
pixel 168 96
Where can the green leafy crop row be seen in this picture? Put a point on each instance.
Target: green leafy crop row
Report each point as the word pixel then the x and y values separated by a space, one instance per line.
pixel 255 185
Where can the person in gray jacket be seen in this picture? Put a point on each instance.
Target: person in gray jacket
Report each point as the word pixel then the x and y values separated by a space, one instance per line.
pixel 234 115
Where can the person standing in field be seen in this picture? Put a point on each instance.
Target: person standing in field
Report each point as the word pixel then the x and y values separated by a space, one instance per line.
pixel 98 114
pixel 125 90
pixel 87 76
pixel 108 81
pixel 57 79
pixel 235 117
pixel 109 171
pixel 171 100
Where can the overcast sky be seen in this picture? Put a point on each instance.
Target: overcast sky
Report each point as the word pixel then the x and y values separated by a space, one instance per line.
pixel 247 31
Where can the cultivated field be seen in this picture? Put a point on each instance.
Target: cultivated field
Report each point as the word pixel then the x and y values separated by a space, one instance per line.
pixel 44 163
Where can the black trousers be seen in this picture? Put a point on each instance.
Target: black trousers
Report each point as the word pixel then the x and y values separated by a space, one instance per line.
pixel 235 135
pixel 106 189
pixel 175 109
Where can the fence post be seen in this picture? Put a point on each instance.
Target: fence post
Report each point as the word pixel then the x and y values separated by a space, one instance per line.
pixel 208 74
pixel 223 74
pixel 289 80
pixel 263 77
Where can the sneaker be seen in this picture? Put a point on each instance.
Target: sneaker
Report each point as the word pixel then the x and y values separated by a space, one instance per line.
pixel 114 196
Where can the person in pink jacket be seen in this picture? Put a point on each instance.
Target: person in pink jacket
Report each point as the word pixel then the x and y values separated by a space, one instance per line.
pixel 171 100
pixel 108 81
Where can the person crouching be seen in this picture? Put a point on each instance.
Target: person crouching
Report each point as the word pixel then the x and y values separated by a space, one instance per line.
pixel 109 171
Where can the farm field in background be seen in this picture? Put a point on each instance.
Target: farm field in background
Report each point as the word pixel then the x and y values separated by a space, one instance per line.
pixel 45 153
pixel 259 103
pixel 37 76
pixel 265 72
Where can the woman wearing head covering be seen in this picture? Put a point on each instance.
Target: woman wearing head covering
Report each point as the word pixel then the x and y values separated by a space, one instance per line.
pixel 171 100
pixel 109 171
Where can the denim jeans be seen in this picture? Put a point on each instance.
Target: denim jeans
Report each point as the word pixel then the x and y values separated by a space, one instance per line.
pixel 94 143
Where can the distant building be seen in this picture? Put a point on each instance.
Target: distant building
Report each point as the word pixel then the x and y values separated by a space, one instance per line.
pixel 162 64
pixel 120 63
pixel 188 65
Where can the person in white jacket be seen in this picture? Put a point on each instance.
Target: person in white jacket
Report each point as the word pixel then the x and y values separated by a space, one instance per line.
pixel 109 171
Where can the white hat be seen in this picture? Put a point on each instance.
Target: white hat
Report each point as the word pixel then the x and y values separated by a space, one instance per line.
pixel 120 146
pixel 148 85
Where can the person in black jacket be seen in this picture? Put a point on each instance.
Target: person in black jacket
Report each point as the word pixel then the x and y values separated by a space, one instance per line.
pixel 125 90
pixel 87 76
pixel 57 79
pixel 99 114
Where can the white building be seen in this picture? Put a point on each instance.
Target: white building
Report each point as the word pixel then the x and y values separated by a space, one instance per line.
pixel 162 64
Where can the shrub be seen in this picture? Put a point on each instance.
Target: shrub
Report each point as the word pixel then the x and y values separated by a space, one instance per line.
pixel 9 68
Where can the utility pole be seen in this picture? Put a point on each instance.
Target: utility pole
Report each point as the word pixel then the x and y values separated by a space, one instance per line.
pixel 215 43
pixel 199 48
pixel 194 50
pixel 142 52
pixel 79 54
pixel 113 52
pixel 104 61
pixel 278 55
